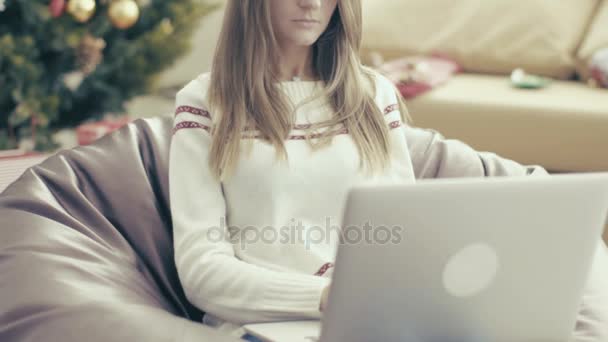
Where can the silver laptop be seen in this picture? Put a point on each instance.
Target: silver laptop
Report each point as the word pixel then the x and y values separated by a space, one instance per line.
pixel 496 259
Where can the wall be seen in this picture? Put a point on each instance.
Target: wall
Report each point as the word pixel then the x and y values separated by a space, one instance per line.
pixel 184 69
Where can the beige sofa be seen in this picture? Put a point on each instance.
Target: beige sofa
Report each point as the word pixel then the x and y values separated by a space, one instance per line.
pixel 563 127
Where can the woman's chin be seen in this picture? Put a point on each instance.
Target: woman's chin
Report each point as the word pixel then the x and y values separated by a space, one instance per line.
pixel 304 40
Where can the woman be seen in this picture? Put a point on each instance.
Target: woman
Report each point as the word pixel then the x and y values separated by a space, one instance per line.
pixel 266 147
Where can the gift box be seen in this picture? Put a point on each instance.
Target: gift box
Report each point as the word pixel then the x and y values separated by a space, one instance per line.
pixel 416 75
pixel 89 132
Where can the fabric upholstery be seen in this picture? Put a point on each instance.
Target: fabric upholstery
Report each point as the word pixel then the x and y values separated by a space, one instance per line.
pixel 86 246
pixel 540 36
pixel 596 39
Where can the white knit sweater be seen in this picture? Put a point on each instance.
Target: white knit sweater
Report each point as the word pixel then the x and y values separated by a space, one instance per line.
pixel 265 267
pixel 248 250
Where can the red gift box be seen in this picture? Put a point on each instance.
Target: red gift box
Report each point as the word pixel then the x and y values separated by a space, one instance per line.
pixel 89 132
pixel 416 75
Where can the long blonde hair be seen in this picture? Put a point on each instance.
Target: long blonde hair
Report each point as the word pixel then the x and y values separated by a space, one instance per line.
pixel 246 95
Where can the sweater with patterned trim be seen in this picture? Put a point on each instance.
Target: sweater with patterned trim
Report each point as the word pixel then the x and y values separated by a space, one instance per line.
pixel 260 246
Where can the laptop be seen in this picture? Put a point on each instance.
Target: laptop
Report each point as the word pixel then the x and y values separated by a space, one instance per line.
pixel 490 259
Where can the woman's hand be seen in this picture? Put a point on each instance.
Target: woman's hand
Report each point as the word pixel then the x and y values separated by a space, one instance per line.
pixel 324 298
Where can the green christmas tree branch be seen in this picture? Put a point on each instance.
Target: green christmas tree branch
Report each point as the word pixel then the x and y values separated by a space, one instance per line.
pixel 37 51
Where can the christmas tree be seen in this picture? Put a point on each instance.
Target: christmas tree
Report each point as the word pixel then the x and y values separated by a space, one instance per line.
pixel 66 61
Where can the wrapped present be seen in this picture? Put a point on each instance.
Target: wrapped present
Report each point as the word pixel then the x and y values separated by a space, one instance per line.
pixel 89 132
pixel 416 75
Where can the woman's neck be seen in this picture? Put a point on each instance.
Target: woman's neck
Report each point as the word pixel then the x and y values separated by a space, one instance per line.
pixel 295 63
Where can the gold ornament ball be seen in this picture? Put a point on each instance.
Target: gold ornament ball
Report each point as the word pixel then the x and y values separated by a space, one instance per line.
pixel 81 10
pixel 123 13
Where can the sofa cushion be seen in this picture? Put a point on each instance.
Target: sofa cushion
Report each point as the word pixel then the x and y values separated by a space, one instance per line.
pixel 596 39
pixel 540 36
pixel 563 127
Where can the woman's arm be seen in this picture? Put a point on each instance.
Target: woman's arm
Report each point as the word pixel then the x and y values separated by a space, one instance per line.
pixel 212 277
pixel 433 156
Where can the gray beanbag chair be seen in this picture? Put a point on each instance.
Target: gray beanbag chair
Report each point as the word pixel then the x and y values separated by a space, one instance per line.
pixel 86 249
